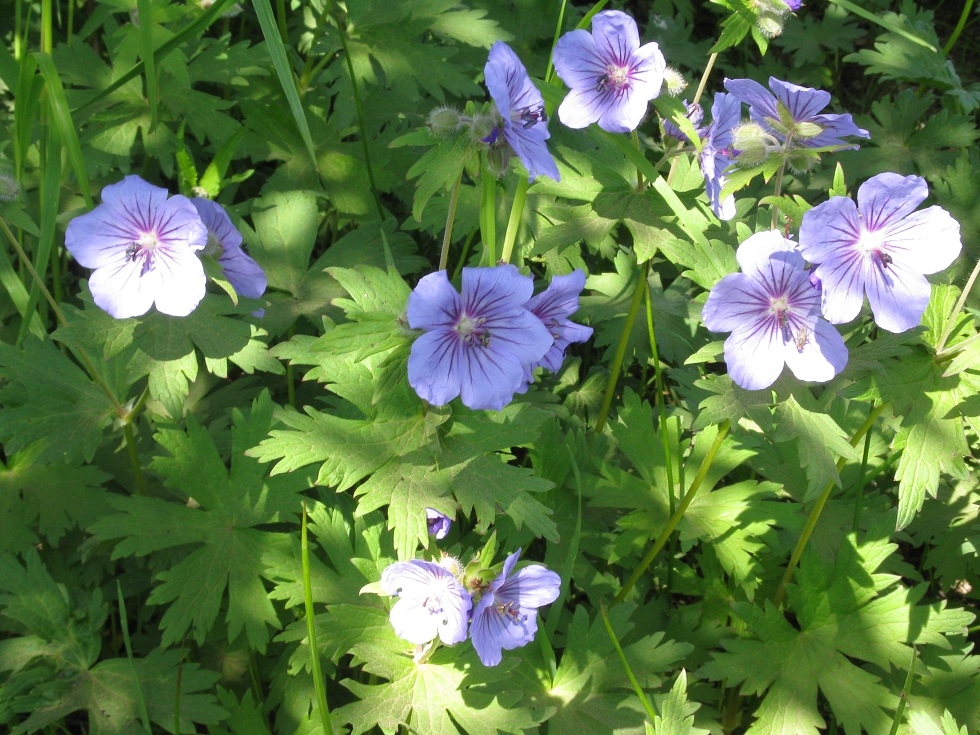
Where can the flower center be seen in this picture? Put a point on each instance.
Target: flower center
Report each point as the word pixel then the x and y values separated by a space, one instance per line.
pixel 871 245
pixel 530 116
pixel 511 610
pixel 472 332
pixel 143 248
pixel 615 78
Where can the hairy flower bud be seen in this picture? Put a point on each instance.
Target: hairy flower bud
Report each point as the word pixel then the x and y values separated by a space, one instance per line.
pixel 444 121
pixel 482 126
pixel 770 24
pixel 674 81
pixel 9 188
pixel 498 158
pixel 753 143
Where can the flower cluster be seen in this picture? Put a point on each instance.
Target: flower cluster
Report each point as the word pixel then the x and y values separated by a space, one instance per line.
pixel 440 599
pixel 880 246
pixel 144 245
pixel 483 344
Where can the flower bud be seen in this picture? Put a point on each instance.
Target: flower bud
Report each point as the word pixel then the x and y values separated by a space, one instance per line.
pixel 802 160
pixel 769 24
pixel 807 129
pixel 482 127
pixel 498 158
pixel 674 81
pixel 444 121
pixel 753 142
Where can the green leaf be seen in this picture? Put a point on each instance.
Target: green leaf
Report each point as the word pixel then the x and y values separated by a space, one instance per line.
pixel 678 711
pixel 848 615
pixel 219 515
pixel 47 399
pixel 285 232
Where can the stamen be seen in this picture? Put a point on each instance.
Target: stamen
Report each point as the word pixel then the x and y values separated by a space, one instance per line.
pixel 533 116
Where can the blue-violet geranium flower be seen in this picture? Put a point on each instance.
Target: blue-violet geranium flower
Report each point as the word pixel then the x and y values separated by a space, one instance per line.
pixel 143 248
pixel 773 313
pixel 524 123
pixel 506 616
pixel 553 306
pixel 879 246
pixel 225 246
pixel 474 345
pixel 438 524
pixel 431 602
pixel 610 76
pixel 793 114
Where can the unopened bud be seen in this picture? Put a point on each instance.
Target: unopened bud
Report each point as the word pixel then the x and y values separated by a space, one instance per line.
pixel 498 158
pixel 801 160
pixel 443 121
pixel 753 142
pixel 807 130
pixel 769 24
pixel 674 81
pixel 482 127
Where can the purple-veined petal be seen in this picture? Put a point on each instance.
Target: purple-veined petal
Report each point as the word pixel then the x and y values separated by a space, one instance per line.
pixel 926 241
pixel 830 230
pixel 438 524
pixel 887 198
pixel 758 98
pixel 577 60
pixel 754 254
pixel 803 103
pixel 433 303
pixel 732 303
pixel 816 354
pixel 493 631
pixel 898 296
pixel 754 355
pixel 532 587
pixel 435 366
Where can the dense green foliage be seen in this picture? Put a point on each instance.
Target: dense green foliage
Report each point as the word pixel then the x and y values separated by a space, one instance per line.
pixel 796 560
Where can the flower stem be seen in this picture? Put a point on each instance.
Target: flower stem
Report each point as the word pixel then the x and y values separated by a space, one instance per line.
pixel 960 25
pixel 342 30
pixel 488 217
pixel 617 363
pixel 321 693
pixel 450 220
pixel 514 221
pixel 948 329
pixel 640 183
pixel 550 71
pixel 675 519
pixel 647 705
pixel 661 407
pixel 134 459
pixel 818 507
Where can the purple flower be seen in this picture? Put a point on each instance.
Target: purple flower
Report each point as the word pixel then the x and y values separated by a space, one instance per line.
pixel 476 345
pixel 143 247
pixel 793 5
pixel 611 78
pixel 695 113
pixel 430 602
pixel 553 306
pixel 879 246
pixel 793 113
pixel 506 617
pixel 524 121
pixel 773 313
pixel 438 523
pixel 225 246
pixel 716 155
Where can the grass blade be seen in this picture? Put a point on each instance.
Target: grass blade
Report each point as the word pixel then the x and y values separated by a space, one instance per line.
pixel 321 691
pixel 145 11
pixel 263 11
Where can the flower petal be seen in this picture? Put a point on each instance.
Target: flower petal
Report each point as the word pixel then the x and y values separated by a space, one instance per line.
pixel 926 242
pixel 898 296
pixel 433 303
pixel 732 303
pixel 577 60
pixel 755 355
pixel 803 103
pixel 435 366
pixel 817 355
pixel 761 101
pixel 886 198
pixel 830 231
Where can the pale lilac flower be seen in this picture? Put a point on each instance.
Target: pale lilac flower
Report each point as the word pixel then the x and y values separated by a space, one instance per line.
pixel 431 602
pixel 553 306
pixel 793 5
pixel 143 248
pixel 793 113
pixel 476 344
pixel 879 246
pixel 438 523
pixel 611 78
pixel 225 246
pixel 695 114
pixel 506 616
pixel 773 313
pixel 524 122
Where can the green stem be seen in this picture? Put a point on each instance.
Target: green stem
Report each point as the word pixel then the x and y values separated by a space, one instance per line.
pixel 640 183
pixel 661 406
pixel 281 20
pixel 617 363
pixel 675 519
pixel 818 507
pixel 903 699
pixel 647 705
pixel 862 482
pixel 948 329
pixel 488 217
pixel 549 74
pixel 47 27
pixel 134 460
pixel 514 221
pixel 318 685
pixel 958 347
pixel 960 25
pixel 450 220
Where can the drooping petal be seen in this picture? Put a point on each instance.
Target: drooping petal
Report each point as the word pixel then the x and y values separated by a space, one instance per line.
pixel 240 269
pixel 836 127
pixel 243 273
